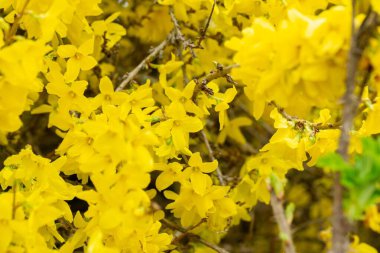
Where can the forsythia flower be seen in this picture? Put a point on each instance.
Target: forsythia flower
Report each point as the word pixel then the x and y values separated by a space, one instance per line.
pixel 191 207
pixel 372 218
pixel 178 126
pixel 122 168
pixel 79 58
pixel 197 173
pixel 361 247
pixel 303 70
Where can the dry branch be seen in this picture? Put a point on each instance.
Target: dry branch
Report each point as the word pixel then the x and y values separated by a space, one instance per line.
pixel 359 40
pixel 284 226
pixel 149 58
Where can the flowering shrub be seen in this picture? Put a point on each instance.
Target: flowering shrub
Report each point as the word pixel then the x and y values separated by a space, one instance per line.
pixel 165 126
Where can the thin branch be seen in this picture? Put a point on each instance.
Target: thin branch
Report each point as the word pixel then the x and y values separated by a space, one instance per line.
pixel 317 126
pixel 359 40
pixel 213 246
pixel 213 75
pixel 195 237
pixel 204 31
pixel 14 206
pixel 284 226
pixel 149 58
pixel 179 35
pixel 16 23
pixel 307 224
pixel 186 232
pixel 212 157
pixel 196 225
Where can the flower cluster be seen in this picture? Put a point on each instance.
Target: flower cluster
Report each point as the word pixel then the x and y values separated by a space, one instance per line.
pixel 110 145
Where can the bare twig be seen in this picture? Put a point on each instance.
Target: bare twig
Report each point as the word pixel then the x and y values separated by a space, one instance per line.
pixel 12 31
pixel 179 35
pixel 359 40
pixel 14 206
pixel 317 126
pixel 213 75
pixel 284 226
pixel 195 237
pixel 204 30
pixel 212 157
pixel 196 225
pixel 187 231
pixel 212 246
pixel 137 69
pixel 307 224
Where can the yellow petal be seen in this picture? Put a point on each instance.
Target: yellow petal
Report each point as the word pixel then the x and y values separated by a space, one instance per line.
pixel 376 5
pixel 199 182
pixel 106 86
pixel 179 139
pixel 192 124
pixel 166 2
pixel 279 120
pixel 110 218
pixel 72 70
pixel 66 51
pixel 209 167
pixel 189 89
pixel 172 93
pixel 87 62
pixel 87 47
pixel 164 180
pixel 230 94
pixel 6 234
pixel 195 160
pixel 222 116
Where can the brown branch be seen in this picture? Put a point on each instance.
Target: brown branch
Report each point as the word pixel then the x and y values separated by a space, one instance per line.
pixel 204 30
pixel 179 35
pixel 186 232
pixel 149 58
pixel 213 75
pixel 284 226
pixel 316 126
pixel 358 42
pixel 307 224
pixel 195 237
pixel 16 23
pixel 212 157
pixel 14 206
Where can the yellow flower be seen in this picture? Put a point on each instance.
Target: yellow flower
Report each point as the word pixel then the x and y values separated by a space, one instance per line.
pixel 107 94
pixel 184 97
pixel 197 173
pixel 180 6
pixel 372 218
pixel 361 247
pixel 169 67
pixel 79 58
pixel 191 207
pixel 170 173
pixel 178 126
pixel 112 31
pixel 44 19
pixel 375 5
pixel 222 100
pixel 232 129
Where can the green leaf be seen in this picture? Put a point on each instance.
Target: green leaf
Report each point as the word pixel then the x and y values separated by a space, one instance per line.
pixel 333 161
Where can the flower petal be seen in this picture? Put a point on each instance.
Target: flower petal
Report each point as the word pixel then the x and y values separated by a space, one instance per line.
pixel 66 51
pixel 179 139
pixel 87 62
pixel 72 70
pixel 164 180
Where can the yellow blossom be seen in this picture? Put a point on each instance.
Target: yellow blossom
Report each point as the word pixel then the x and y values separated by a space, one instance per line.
pixel 79 58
